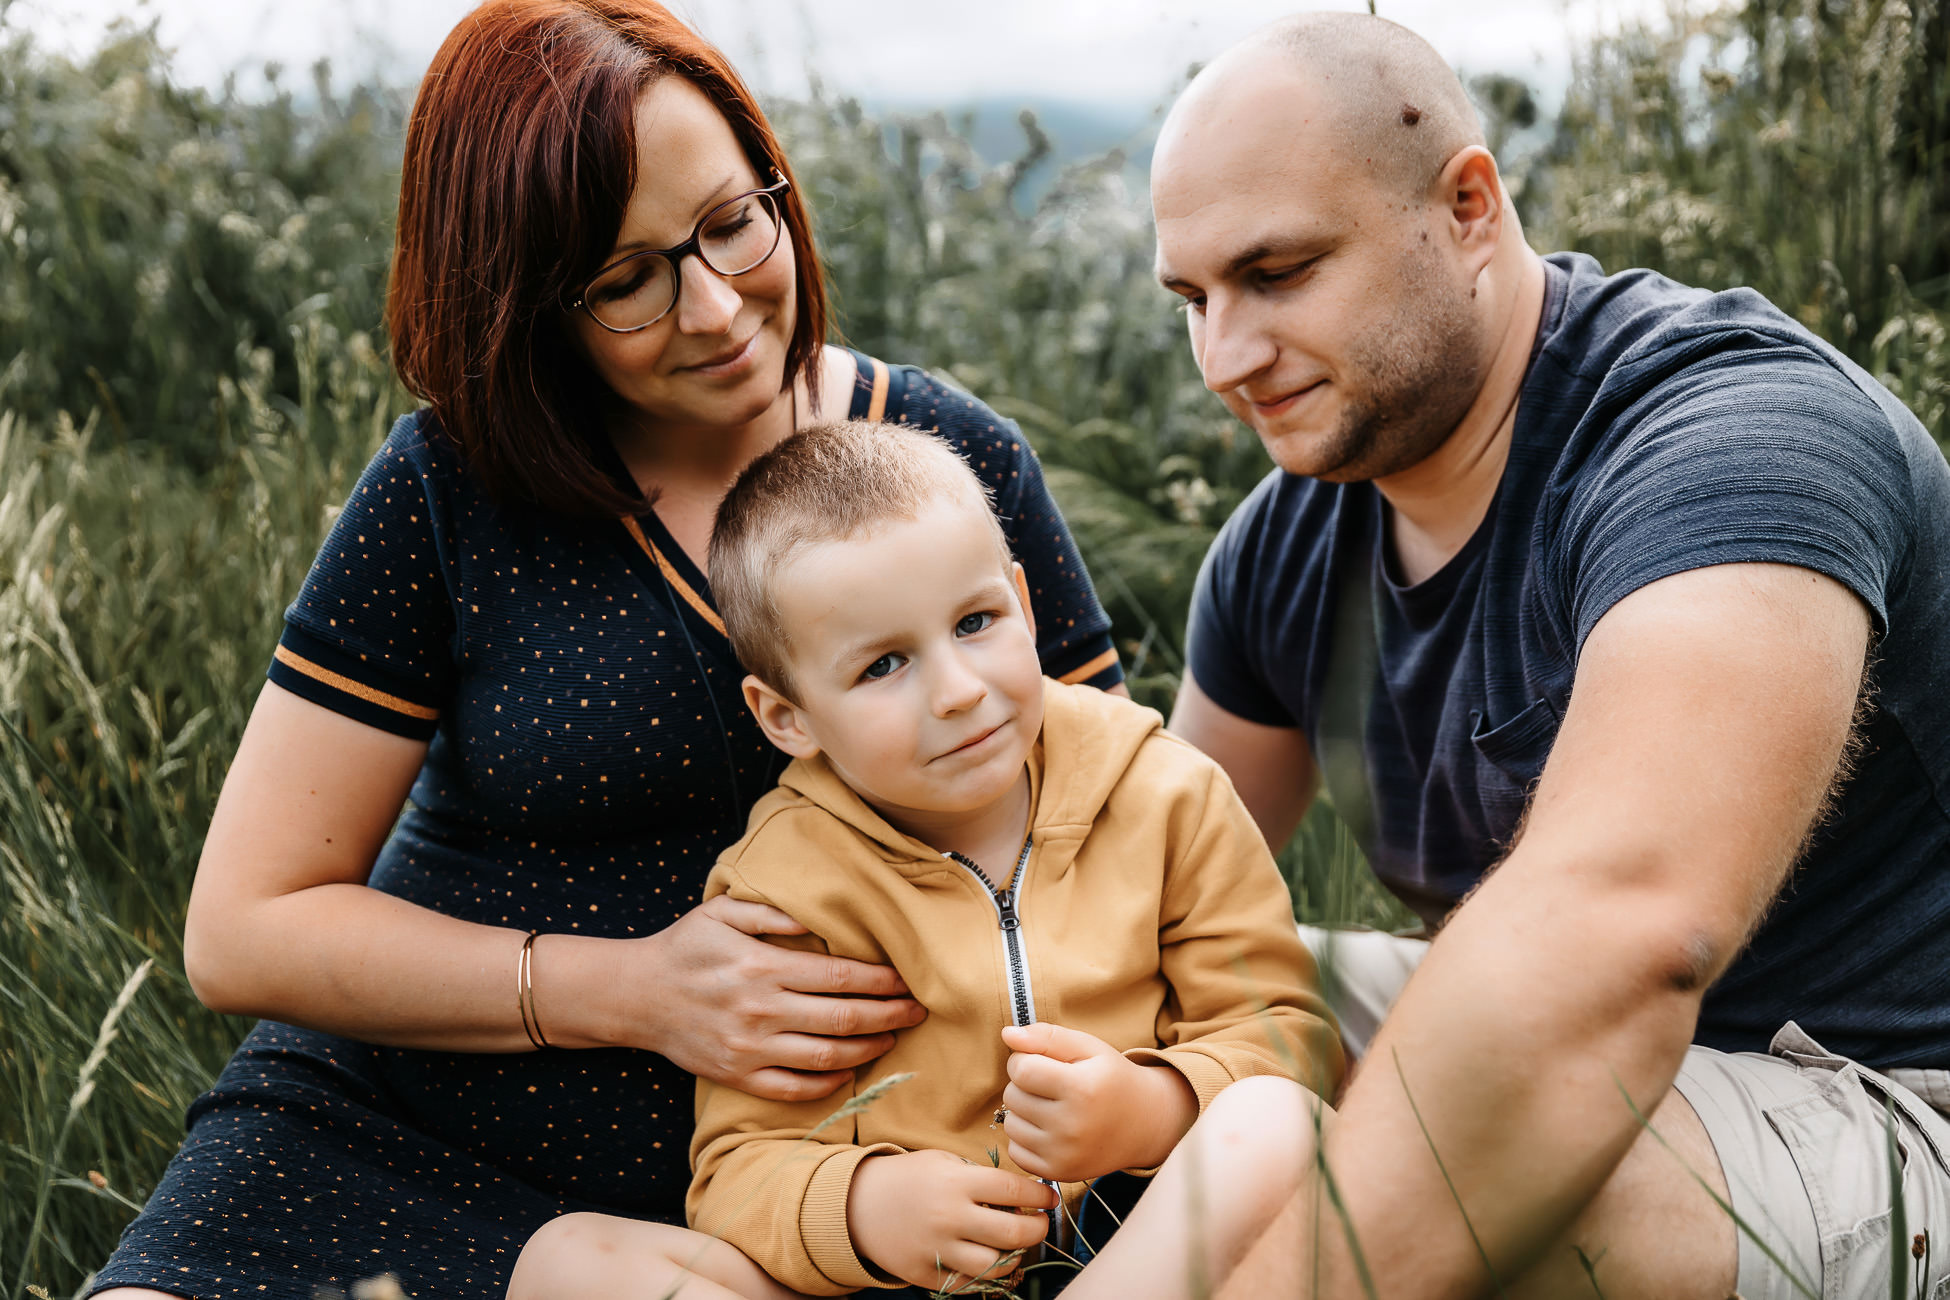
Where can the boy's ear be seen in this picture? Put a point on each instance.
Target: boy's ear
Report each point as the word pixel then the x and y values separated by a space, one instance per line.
pixel 1022 597
pixel 778 718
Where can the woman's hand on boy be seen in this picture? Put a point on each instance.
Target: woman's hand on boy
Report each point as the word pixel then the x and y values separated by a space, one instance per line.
pixel 931 1218
pixel 1079 1108
pixel 719 1001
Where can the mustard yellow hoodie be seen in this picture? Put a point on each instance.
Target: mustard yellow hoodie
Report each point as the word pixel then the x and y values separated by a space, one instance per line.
pixel 1150 915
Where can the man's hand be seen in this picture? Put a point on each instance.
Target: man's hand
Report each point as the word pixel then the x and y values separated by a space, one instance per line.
pixel 933 1219
pixel 1079 1108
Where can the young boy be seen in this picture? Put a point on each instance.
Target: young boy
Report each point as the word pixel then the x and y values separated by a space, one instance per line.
pixel 1079 900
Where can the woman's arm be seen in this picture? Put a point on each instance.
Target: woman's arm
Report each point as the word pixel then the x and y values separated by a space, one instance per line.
pixel 282 925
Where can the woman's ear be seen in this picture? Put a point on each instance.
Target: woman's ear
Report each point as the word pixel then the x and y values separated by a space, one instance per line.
pixel 779 718
pixel 1022 598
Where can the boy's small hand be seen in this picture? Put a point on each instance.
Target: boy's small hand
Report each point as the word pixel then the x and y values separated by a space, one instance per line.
pixel 935 1220
pixel 1079 1108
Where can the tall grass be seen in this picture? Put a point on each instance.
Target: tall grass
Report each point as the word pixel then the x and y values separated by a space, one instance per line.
pixel 136 599
pixel 158 238
pixel 1801 147
pixel 186 393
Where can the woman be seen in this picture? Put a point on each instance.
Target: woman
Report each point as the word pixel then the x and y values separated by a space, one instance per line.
pixel 606 290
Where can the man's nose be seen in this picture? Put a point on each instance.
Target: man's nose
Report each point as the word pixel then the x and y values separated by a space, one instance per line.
pixel 706 302
pixel 1230 344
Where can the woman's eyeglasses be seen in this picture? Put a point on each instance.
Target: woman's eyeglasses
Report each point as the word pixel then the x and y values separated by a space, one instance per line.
pixel 637 291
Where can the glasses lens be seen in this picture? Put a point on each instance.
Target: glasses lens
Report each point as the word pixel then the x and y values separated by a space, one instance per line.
pixel 632 294
pixel 739 235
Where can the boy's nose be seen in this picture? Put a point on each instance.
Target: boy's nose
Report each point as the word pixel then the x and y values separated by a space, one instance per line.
pixel 956 688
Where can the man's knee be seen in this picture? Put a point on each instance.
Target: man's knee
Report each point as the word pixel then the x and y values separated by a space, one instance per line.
pixel 1656 1227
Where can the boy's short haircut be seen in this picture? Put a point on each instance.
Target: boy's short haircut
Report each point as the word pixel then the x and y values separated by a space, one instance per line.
pixel 827 483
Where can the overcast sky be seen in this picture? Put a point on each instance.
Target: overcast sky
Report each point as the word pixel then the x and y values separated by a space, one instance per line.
pixel 1122 52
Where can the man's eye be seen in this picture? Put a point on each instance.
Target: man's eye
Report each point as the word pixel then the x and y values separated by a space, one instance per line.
pixel 970 624
pixel 1284 275
pixel 880 667
pixel 1191 304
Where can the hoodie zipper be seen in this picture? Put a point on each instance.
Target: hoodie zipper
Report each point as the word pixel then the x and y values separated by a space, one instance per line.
pixel 1022 999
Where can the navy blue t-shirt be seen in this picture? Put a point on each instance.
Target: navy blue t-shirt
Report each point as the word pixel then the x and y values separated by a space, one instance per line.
pixel 1660 429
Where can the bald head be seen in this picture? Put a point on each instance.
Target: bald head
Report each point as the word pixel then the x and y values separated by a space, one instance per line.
pixel 1342 241
pixel 1367 89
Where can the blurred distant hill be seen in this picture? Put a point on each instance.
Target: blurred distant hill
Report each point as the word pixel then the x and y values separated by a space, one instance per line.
pixel 1076 131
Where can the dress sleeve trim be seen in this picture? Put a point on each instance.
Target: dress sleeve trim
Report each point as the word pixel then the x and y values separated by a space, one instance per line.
pixel 357 690
pixel 676 579
pixel 1086 671
pixel 877 403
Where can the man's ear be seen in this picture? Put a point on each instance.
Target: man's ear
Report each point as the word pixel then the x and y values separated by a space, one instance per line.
pixel 1471 191
pixel 1022 597
pixel 779 719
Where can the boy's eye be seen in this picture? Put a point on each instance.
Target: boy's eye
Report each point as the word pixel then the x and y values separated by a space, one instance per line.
pixel 880 667
pixel 970 624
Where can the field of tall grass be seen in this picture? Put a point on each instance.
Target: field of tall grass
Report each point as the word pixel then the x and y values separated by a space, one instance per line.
pixel 191 378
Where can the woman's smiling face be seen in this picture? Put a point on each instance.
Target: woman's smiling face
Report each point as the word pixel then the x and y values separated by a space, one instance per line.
pixel 717 358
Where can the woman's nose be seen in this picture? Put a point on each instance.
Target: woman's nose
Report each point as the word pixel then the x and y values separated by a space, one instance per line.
pixel 706 302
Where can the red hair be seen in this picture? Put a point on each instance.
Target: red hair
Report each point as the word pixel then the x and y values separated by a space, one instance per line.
pixel 520 160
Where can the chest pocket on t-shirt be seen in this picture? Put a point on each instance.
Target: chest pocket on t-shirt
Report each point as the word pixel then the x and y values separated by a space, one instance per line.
pixel 1510 758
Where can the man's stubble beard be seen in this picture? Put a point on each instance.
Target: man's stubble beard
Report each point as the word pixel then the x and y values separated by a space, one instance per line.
pixel 1417 374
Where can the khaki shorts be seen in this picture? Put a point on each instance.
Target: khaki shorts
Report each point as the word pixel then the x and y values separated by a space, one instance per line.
pixel 1802 1135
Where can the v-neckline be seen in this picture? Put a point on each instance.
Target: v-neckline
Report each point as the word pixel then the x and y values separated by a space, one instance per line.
pixel 668 563
pixel 656 558
pixel 654 552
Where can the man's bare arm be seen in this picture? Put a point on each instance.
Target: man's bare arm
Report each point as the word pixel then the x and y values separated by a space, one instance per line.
pixel 1270 767
pixel 1707 722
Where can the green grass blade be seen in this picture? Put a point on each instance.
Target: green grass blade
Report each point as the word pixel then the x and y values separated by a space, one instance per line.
pixel 1726 1207
pixel 1590 1267
pixel 1347 1224
pixel 1898 1210
pixel 1474 1240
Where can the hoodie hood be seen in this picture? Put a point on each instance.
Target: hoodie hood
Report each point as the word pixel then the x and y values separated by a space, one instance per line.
pixel 1074 766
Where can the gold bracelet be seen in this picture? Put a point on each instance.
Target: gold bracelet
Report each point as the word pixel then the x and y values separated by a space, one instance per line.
pixel 525 991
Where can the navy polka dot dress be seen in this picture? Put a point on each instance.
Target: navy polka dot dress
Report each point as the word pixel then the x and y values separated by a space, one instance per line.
pixel 589 755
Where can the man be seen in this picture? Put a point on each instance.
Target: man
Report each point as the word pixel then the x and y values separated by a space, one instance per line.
pixel 1639 596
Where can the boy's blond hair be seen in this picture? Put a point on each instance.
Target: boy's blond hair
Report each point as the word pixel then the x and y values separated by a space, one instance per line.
pixel 827 483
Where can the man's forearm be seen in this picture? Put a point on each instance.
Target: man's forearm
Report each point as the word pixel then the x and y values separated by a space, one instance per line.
pixel 1497 1090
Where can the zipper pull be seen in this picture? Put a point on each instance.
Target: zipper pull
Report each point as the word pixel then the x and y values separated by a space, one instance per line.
pixel 1005 904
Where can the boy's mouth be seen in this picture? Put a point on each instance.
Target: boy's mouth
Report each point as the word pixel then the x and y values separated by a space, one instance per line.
pixel 974 740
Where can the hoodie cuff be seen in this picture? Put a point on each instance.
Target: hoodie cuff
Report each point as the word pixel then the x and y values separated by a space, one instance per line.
pixel 822 1219
pixel 1207 1074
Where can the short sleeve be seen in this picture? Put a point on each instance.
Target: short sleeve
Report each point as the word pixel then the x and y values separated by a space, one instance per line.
pixel 1072 629
pixel 372 632
pixel 1763 455
pixel 1217 631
